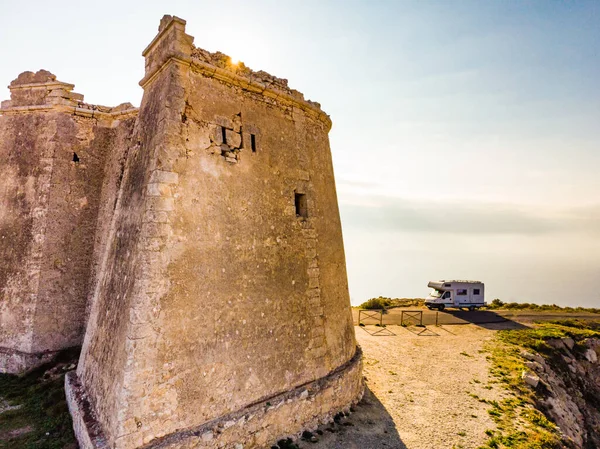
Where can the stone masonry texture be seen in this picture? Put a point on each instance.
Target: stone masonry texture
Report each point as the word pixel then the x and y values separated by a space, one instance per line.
pixel 198 242
pixel 54 156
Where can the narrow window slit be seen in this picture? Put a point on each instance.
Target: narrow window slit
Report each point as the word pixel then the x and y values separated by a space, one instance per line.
pixel 75 157
pixel 301 206
pixel 224 134
pixel 253 142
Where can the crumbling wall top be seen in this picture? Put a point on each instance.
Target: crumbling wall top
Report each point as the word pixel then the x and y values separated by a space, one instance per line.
pixel 42 92
pixel 40 77
pixel 224 62
pixel 173 44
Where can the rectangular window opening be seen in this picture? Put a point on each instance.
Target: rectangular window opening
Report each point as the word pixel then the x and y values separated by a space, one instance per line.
pixel 301 206
pixel 253 142
pixel 461 292
pixel 476 291
pixel 224 134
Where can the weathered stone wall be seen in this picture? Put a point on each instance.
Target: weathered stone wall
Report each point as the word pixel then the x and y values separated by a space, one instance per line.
pixel 121 309
pixel 53 166
pixel 223 284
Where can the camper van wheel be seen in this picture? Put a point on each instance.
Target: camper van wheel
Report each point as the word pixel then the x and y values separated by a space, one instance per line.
pixel 471 308
pixel 441 307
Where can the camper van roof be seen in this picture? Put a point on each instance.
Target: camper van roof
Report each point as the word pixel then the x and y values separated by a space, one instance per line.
pixel 441 284
pixel 465 282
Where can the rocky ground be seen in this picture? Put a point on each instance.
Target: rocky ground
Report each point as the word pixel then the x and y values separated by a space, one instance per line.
pixel 427 387
pixel 423 385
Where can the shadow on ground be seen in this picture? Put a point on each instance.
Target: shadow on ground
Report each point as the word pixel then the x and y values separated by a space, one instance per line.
pixel 432 318
pixel 369 426
pixel 482 318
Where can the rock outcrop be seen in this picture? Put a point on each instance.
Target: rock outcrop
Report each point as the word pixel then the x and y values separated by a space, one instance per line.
pixel 568 391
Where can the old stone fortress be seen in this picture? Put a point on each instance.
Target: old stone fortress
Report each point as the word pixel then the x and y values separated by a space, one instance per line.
pixel 191 247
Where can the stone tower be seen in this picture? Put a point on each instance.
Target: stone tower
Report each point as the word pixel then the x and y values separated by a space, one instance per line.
pixel 221 316
pixel 197 240
pixel 55 151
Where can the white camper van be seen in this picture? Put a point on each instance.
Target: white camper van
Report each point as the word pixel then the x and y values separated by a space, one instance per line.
pixel 461 294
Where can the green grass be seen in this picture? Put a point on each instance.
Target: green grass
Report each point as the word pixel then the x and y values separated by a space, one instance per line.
pixel 520 425
pixel 537 338
pixel 43 409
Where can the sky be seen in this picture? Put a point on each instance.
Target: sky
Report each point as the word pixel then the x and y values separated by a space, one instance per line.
pixel 466 134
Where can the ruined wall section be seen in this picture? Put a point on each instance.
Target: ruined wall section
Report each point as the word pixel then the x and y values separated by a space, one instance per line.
pixel 53 153
pixel 26 170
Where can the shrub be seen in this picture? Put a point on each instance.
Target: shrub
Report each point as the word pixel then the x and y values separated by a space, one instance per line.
pixel 387 303
pixel 376 303
pixel 496 304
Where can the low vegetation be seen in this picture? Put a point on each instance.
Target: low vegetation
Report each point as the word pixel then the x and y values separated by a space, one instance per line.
pixel 37 416
pixel 385 303
pixel 388 303
pixel 520 424
pixel 497 304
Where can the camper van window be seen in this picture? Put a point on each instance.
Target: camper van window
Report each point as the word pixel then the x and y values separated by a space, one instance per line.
pixel 461 292
pixel 447 285
pixel 446 295
pixel 476 291
pixel 436 293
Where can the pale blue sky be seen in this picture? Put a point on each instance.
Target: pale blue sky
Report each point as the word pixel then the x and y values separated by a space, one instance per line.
pixel 466 137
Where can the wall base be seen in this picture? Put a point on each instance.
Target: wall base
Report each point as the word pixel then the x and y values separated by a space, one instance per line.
pixel 258 425
pixel 17 362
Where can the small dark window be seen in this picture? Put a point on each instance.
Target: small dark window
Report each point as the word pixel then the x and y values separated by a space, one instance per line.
pixel 253 142
pixel 476 291
pixel 461 292
pixel 224 134
pixel 75 157
pixel 301 207
pixel 446 295
pixel 447 285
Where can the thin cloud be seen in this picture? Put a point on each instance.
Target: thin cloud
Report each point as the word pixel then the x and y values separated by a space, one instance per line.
pixel 379 213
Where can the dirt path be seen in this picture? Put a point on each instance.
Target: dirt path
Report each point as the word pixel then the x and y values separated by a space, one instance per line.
pixel 420 391
pixel 425 383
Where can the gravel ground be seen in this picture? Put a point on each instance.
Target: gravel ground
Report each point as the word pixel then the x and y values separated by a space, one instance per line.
pixel 419 391
pixel 425 381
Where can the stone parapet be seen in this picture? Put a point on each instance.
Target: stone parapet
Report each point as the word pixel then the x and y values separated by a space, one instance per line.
pixel 258 425
pixel 41 92
pixel 172 44
pixel 260 78
pixel 83 110
pixel 274 90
